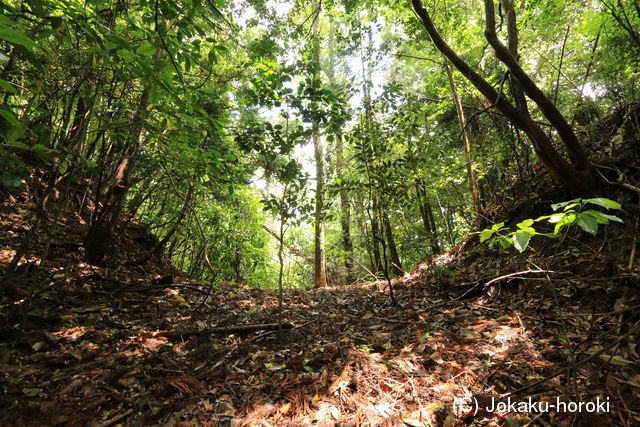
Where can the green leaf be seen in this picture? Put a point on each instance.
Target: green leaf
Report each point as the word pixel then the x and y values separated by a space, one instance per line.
pixel 521 240
pixel 8 180
pixel 504 242
pixel 557 206
pixel 18 144
pixel 605 203
pixel 556 218
pixel 125 54
pixel 16 37
pixel 567 219
pixel 486 235
pixel 146 50
pixel 5 85
pixel 42 150
pixel 62 168
pixel 599 216
pixel 613 218
pixel 525 224
pixel 37 7
pixel 588 223
pixel 497 226
pixel 540 218
pixel 9 117
pixel 212 57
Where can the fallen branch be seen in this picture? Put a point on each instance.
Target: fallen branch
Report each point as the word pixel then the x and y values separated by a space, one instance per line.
pixel 225 330
pixel 516 274
pixel 170 285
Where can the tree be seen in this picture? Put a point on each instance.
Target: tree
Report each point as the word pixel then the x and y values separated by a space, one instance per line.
pixel 320 265
pixel 471 176
pixel 575 174
pixel 100 234
pixel 336 124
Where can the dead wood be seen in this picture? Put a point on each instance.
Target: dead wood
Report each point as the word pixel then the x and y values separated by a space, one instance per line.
pixel 226 330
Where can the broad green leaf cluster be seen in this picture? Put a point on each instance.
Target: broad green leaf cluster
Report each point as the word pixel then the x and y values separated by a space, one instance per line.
pixel 573 212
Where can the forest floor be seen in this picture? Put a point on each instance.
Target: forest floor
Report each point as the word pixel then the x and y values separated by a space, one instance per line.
pixel 86 345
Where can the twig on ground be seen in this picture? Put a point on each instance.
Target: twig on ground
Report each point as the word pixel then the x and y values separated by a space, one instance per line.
pixel 516 274
pixel 171 285
pixel 226 330
pixel 632 255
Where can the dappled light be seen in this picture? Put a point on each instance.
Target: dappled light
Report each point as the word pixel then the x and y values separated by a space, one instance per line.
pixel 345 213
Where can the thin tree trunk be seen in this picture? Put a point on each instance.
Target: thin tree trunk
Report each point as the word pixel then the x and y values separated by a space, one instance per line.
pixel 375 232
pixel 434 229
pixel 100 234
pixel 445 219
pixel 393 250
pixel 142 194
pixel 471 176
pixel 237 264
pixel 426 214
pixel 512 44
pixel 320 264
pixel 345 210
pixel 295 251
pixel 158 246
pixel 575 177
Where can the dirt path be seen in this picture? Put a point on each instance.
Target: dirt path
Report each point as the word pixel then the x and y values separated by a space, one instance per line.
pixel 107 347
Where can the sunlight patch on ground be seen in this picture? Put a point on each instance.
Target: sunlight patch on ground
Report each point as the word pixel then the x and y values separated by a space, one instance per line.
pixel 6 255
pixel 72 334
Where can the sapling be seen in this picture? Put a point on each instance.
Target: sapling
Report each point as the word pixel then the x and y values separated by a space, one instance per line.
pixel 573 212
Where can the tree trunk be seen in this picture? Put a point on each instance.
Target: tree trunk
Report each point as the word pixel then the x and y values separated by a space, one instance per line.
pixel 391 243
pixel 471 176
pixel 375 235
pixel 100 234
pixel 320 264
pixel 434 229
pixel 345 209
pixel 512 43
pixel 428 221
pixel 576 153
pixel 572 177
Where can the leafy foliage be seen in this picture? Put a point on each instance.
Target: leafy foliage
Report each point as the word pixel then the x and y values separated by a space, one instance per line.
pixel 574 212
pixel 224 97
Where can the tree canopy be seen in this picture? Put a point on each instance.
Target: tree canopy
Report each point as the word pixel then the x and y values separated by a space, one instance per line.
pixel 199 119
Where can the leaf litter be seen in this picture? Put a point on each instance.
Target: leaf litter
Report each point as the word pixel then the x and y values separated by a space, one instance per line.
pixel 105 346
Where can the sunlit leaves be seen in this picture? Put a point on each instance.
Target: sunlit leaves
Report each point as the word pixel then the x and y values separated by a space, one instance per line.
pixel 573 213
pixel 521 239
pixel 15 37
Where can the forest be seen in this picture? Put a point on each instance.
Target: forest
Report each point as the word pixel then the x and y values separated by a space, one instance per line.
pixel 339 212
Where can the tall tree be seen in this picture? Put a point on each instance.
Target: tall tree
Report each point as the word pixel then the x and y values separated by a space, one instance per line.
pixel 575 174
pixel 320 267
pixel 345 208
pixel 100 234
pixel 471 175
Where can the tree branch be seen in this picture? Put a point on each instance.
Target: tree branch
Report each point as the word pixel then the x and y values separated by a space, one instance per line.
pixel 576 153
